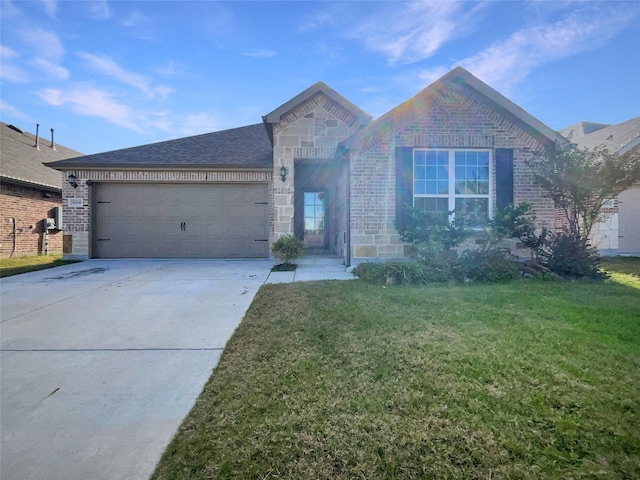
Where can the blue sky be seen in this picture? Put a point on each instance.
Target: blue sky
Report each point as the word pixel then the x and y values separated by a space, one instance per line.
pixel 113 74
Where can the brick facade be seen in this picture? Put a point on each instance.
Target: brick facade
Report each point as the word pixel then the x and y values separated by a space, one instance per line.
pixel 77 220
pixel 26 209
pixel 452 119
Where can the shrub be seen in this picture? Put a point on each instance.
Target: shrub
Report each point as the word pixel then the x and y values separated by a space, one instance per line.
pixel 370 272
pixel 288 247
pixel 400 273
pixel 435 230
pixel 491 265
pixel 518 222
pixel 570 255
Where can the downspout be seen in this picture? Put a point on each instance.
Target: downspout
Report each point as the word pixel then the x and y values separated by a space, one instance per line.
pixel 15 237
pixel 348 260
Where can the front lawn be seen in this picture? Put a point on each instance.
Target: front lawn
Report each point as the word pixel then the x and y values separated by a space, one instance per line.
pixel 30 263
pixel 344 380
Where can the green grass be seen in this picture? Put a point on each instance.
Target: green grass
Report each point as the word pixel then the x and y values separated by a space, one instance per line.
pixel 14 266
pixel 344 380
pixel 625 270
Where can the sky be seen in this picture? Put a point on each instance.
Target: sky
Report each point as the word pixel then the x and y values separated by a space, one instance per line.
pixel 114 74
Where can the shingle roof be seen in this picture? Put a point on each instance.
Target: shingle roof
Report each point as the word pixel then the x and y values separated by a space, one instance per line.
pixel 620 138
pixel 21 162
pixel 580 129
pixel 458 76
pixel 243 147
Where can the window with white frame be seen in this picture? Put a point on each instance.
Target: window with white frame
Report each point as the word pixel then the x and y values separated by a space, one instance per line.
pixel 453 180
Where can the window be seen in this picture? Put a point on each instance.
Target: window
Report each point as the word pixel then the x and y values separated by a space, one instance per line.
pixel 453 180
pixel 313 211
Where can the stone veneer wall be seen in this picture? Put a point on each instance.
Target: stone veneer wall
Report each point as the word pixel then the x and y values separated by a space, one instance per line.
pixel 77 220
pixel 452 120
pixel 312 130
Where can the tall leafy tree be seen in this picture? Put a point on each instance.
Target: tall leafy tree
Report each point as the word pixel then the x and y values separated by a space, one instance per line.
pixel 580 181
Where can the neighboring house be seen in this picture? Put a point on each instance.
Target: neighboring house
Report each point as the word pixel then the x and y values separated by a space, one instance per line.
pixel 619 234
pixel 30 193
pixel 317 167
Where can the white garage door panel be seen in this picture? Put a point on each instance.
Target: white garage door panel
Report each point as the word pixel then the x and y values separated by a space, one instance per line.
pixel 629 221
pixel 145 220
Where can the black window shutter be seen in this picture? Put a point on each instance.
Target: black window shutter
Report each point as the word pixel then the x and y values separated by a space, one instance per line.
pixel 404 183
pixel 504 177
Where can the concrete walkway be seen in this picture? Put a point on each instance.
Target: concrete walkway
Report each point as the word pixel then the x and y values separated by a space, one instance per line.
pixel 101 360
pixel 313 267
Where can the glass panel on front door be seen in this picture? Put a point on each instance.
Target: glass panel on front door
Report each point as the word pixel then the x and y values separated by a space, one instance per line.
pixel 314 218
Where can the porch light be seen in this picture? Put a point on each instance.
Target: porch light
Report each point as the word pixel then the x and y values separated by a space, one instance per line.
pixel 72 180
pixel 283 173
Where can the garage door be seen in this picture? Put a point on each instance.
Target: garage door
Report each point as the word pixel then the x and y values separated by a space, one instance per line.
pixel 629 221
pixel 180 221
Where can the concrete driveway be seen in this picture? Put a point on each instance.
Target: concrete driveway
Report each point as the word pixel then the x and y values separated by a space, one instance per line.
pixel 101 360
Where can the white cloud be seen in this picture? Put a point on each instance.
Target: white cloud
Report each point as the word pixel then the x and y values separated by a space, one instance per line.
pixel 8 52
pixel 259 54
pixel 50 7
pixel 56 72
pixel 404 32
pixel 164 91
pixel 11 110
pixel 13 74
pixel 503 64
pixel 93 102
pixel 47 44
pixel 411 33
pixel 98 10
pixel 108 67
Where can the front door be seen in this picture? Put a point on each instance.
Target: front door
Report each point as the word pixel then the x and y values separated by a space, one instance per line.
pixel 314 219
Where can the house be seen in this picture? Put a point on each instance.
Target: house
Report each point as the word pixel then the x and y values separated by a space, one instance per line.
pixel 317 167
pixel 619 233
pixel 30 192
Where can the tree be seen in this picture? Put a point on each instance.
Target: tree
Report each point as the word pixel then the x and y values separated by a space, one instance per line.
pixel 580 181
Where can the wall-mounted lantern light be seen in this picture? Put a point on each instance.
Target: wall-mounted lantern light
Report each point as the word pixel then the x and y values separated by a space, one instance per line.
pixel 72 180
pixel 283 173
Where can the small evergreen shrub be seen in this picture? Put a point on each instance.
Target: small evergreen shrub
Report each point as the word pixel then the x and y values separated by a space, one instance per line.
pixel 288 248
pixel 490 265
pixel 370 272
pixel 569 255
pixel 518 222
pixel 435 230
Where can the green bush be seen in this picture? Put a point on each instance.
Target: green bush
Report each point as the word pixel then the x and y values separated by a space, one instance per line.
pixel 371 272
pixel 288 247
pixel 491 265
pixel 472 265
pixel 435 230
pixel 569 255
pixel 518 222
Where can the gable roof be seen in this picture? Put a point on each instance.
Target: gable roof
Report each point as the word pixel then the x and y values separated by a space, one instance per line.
pixel 242 148
pixel 362 117
pixel 456 77
pixel 580 129
pixel 619 138
pixel 21 162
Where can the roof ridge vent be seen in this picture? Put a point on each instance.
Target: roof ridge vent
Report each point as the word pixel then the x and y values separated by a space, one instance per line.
pixel 13 127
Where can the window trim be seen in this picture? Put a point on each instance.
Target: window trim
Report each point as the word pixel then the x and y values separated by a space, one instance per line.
pixel 452 196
